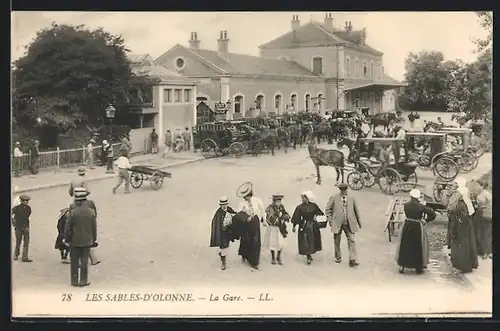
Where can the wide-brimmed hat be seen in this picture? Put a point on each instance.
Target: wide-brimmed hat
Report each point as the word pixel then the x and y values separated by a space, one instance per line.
pixel 18 143
pixel 82 169
pixel 244 189
pixel 80 193
pixel 25 197
pixel 223 200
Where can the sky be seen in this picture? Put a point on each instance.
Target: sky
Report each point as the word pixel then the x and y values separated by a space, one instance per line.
pixel 393 33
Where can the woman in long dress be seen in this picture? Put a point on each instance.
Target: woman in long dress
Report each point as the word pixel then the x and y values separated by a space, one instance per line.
pixel 276 216
pixel 464 255
pixel 250 243
pixel 304 216
pixel 413 247
pixel 484 221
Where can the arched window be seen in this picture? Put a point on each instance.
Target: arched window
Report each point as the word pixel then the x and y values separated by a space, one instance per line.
pixel 293 101
pixel 259 102
pixel 347 67
pixel 365 69
pixel 307 101
pixel 320 102
pixel 317 65
pixel 277 103
pixel 238 104
pixel 356 69
pixel 371 69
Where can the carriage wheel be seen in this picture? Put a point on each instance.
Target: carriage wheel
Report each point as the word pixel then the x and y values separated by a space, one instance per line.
pixel 237 149
pixel 466 163
pixel 388 181
pixel 411 179
pixel 368 177
pixel 355 181
pixel 479 151
pixel 208 148
pixel 438 191
pixel 423 162
pixel 445 168
pixel 136 179
pixel 156 182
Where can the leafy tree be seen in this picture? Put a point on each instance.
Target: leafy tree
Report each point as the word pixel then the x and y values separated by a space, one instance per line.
pixel 486 21
pixel 69 75
pixel 426 77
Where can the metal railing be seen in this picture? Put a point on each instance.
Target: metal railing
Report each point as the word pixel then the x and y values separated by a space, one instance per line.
pixel 60 158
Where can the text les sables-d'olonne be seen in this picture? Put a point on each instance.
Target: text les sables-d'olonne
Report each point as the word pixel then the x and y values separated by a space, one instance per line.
pixel 169 297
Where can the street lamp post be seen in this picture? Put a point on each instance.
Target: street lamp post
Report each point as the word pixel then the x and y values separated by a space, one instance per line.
pixel 110 115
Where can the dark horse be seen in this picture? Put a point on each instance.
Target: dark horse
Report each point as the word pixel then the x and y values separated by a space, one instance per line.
pixel 382 119
pixel 322 157
pixel 263 139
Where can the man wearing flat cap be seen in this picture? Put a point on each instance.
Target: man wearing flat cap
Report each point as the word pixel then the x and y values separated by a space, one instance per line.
pixel 413 247
pixel 21 221
pixel 219 236
pixel 342 213
pixel 80 234
pixel 276 232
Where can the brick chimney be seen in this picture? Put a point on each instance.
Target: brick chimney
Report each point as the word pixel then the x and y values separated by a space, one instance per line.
pixel 194 43
pixel 328 25
pixel 348 26
pixel 223 45
pixel 363 37
pixel 295 22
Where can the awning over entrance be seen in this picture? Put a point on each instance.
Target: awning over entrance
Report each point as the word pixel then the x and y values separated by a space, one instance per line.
pixel 382 85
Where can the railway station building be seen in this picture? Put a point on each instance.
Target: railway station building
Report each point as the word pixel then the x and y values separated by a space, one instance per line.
pixel 314 66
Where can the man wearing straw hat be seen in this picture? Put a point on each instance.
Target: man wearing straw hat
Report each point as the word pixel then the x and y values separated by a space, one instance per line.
pixel 79 181
pixel 413 247
pixel 219 236
pixel 21 221
pixel 80 234
pixel 250 243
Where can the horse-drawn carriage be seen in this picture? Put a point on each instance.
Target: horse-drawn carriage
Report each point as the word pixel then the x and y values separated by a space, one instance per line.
pixel 366 171
pixel 428 149
pixel 465 155
pixel 215 139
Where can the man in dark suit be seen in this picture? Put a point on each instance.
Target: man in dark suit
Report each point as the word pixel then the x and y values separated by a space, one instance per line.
pixel 21 221
pixel 81 234
pixel 342 214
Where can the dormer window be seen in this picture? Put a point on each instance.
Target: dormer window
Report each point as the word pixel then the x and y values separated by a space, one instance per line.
pixel 317 65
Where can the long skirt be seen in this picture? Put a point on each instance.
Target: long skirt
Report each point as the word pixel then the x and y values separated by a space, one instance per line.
pixel 273 239
pixel 250 242
pixel 413 247
pixel 309 239
pixel 483 229
pixel 463 246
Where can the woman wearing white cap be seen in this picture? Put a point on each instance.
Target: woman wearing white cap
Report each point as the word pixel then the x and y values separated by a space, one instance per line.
pixel 413 247
pixel 309 237
pixel 464 255
pixel 219 236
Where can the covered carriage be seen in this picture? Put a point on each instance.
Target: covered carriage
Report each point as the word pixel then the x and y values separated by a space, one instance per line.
pixel 461 150
pixel 215 139
pixel 428 149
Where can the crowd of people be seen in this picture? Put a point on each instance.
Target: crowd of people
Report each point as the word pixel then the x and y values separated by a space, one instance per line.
pixel 243 224
pixel 173 141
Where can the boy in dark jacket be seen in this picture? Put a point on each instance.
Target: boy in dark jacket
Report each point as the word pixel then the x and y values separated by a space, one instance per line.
pixel 21 222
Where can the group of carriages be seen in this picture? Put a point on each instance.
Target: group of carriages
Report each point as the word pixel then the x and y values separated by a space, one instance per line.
pixel 239 137
pixel 427 150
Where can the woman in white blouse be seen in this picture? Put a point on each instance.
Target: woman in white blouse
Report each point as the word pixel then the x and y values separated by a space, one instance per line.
pixel 250 242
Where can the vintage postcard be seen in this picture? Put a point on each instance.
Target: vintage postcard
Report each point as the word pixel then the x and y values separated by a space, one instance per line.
pixel 202 165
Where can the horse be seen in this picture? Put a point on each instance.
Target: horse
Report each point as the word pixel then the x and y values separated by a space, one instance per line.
pixel 264 138
pixel 382 119
pixel 322 157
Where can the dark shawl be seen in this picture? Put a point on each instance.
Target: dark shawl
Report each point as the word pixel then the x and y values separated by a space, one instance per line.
pixel 220 236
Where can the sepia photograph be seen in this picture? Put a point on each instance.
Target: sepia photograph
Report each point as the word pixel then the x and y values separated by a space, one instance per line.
pixel 251 164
